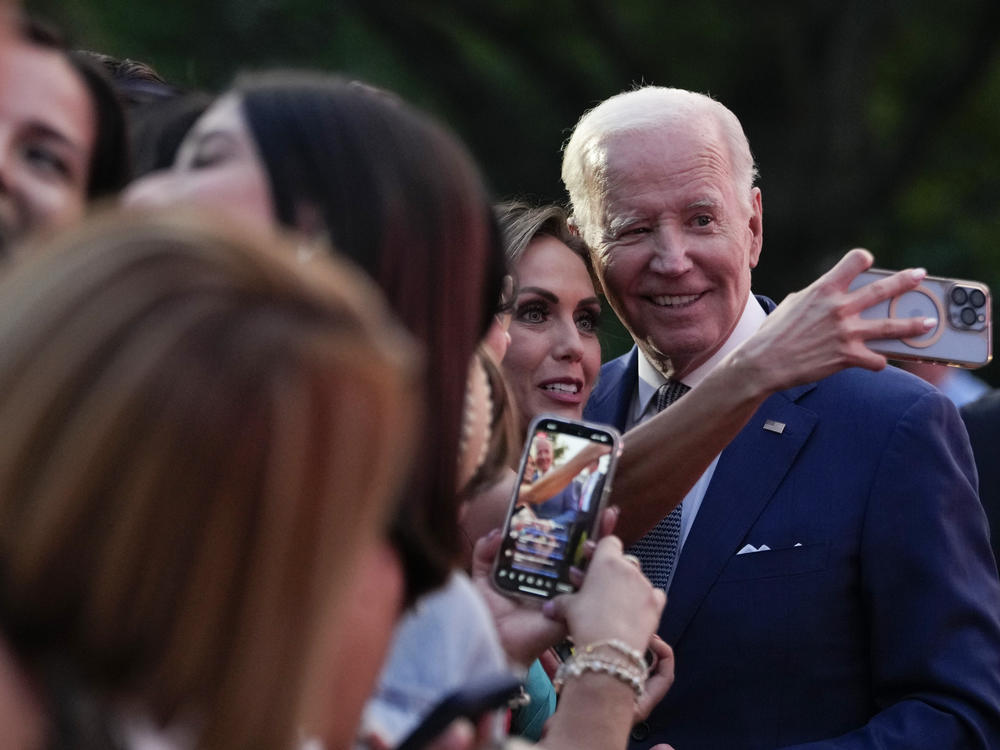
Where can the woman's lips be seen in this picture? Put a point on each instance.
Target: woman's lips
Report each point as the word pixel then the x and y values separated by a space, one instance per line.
pixel 565 391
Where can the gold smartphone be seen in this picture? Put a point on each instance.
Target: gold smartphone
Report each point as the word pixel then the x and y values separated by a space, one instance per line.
pixel 963 336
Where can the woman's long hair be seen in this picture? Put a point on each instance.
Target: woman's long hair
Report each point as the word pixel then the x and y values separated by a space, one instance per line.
pixel 201 435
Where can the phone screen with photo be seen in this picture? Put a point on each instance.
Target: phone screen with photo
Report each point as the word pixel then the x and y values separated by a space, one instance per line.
pixel 565 471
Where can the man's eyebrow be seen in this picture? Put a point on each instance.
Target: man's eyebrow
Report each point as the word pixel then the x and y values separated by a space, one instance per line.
pixel 623 220
pixel 702 203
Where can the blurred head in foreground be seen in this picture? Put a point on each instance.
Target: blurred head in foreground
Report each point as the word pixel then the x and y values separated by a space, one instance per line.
pixel 395 191
pixel 202 437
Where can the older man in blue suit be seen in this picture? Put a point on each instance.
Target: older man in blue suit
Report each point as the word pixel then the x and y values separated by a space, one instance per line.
pixel 834 585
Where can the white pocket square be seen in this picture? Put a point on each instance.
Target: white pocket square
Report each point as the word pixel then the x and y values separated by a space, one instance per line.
pixel 749 548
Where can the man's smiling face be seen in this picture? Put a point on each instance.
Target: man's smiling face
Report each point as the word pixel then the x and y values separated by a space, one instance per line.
pixel 676 241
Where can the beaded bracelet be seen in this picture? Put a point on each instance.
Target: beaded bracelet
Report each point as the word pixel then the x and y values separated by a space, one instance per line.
pixel 633 655
pixel 578 664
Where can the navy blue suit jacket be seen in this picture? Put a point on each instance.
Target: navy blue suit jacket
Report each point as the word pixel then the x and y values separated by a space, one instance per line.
pixel 874 619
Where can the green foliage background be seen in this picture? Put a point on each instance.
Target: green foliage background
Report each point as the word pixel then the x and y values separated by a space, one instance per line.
pixel 874 123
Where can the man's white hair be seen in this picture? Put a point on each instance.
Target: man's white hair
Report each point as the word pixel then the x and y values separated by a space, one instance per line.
pixel 642 110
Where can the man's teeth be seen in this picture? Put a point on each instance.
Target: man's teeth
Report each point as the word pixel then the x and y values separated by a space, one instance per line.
pixel 561 387
pixel 675 299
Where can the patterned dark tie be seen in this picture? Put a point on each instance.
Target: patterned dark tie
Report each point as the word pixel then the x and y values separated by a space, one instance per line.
pixel 657 550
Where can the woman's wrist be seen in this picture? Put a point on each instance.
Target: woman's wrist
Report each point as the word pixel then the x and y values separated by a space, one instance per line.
pixel 744 378
pixel 611 657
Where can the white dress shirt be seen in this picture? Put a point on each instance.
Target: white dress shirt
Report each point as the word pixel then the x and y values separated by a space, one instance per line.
pixel 650 379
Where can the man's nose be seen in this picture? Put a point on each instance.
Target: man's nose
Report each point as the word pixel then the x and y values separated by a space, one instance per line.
pixel 670 251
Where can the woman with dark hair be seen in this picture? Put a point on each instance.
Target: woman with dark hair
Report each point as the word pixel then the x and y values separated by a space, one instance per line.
pixel 63 134
pixel 342 162
pixel 394 191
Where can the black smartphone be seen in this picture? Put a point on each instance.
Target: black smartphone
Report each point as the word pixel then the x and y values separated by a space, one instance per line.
pixel 562 487
pixel 470 702
pixel 963 335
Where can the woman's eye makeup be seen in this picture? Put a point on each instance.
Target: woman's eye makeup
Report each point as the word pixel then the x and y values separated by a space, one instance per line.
pixel 588 321
pixel 209 150
pixel 534 311
pixel 206 157
pixel 46 159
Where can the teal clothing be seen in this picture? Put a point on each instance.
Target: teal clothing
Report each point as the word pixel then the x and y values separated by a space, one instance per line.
pixel 528 720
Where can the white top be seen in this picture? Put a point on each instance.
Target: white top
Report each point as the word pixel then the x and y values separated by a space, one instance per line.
pixel 446 641
pixel 650 379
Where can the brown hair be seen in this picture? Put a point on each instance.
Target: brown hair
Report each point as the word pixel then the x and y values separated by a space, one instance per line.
pixel 521 222
pixel 400 195
pixel 201 436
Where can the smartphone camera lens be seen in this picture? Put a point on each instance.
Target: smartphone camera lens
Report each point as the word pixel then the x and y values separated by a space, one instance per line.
pixel 977 298
pixel 959 295
pixel 969 316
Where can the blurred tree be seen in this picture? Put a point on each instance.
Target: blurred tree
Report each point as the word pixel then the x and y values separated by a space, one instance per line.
pixel 874 122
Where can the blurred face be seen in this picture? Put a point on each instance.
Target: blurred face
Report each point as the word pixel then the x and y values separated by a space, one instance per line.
pixel 554 355
pixel 47 134
pixel 356 646
pixel 218 167
pixel 543 455
pixel 676 242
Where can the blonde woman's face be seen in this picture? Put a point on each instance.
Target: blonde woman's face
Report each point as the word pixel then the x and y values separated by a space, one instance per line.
pixel 218 167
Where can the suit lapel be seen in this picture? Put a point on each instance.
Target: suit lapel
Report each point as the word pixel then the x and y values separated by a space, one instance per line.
pixel 749 471
pixel 609 402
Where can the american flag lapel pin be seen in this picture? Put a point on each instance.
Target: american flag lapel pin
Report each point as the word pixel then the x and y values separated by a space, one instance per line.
pixel 772 425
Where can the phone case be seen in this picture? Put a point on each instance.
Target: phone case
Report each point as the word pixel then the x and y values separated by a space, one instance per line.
pixel 469 702
pixel 541 542
pixel 963 309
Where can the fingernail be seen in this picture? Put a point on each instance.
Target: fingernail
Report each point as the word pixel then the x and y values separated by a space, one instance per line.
pixel 460 734
pixel 493 534
pixel 548 609
pixel 918 274
pixel 615 509
pixel 930 323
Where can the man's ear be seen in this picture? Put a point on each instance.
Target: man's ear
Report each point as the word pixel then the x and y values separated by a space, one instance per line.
pixel 756 227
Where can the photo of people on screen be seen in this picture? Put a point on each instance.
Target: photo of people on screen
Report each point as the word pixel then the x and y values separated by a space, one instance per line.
pixel 560 491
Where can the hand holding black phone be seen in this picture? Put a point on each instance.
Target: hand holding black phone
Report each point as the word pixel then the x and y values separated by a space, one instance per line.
pixel 469 702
